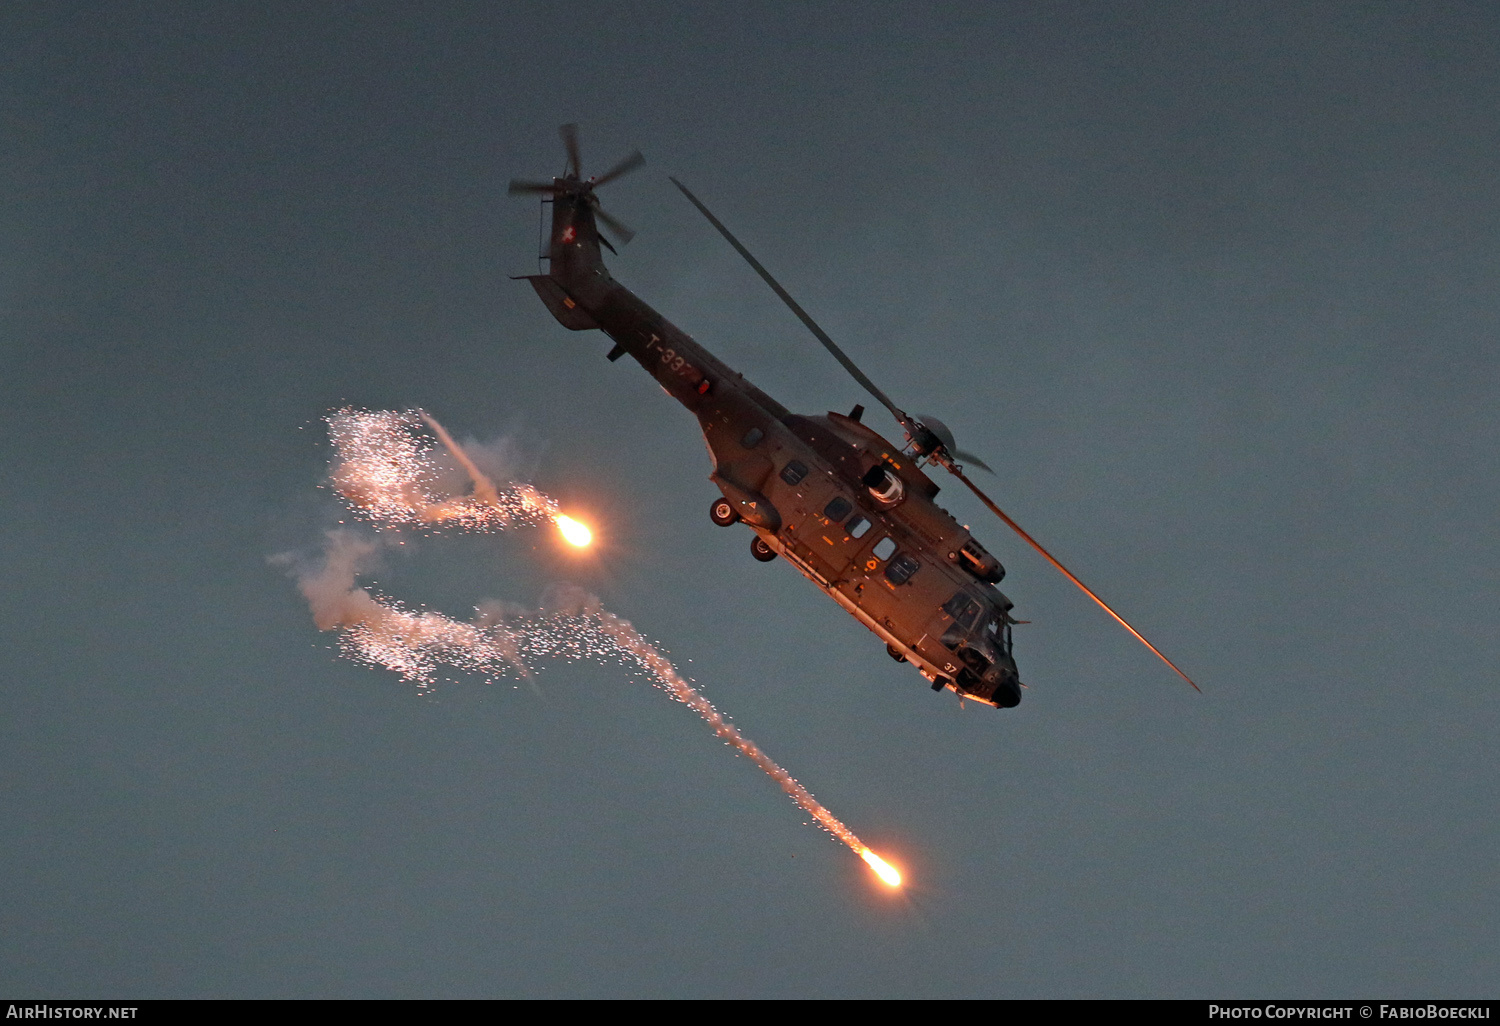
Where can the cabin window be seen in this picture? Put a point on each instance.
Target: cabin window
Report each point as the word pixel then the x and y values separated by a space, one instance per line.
pixel 838 509
pixel 857 527
pixel 752 438
pixel 963 610
pixel 793 472
pixel 901 569
pixel 884 547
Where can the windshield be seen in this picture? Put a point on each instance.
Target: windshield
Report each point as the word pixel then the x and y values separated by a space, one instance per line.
pixel 997 633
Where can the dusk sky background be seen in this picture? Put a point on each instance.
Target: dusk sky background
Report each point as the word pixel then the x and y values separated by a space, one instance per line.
pixel 1214 287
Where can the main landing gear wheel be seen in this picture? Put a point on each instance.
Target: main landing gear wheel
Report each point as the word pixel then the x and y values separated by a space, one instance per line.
pixel 722 513
pixel 895 653
pixel 760 550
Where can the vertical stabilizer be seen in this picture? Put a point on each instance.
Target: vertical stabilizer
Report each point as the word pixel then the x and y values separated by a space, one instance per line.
pixel 573 250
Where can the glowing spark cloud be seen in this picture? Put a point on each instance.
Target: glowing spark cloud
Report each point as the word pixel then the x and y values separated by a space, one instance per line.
pixel 386 470
pixel 573 531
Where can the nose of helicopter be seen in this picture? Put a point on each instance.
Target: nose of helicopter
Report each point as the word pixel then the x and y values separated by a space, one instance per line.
pixel 999 687
pixel 1008 692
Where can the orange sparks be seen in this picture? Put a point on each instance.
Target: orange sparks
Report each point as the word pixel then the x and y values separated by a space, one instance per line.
pixel 574 532
pixel 883 869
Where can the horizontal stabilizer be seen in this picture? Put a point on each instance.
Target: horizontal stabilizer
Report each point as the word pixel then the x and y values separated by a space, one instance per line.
pixel 568 313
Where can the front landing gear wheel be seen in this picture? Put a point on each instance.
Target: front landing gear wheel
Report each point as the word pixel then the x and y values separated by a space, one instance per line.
pixel 760 550
pixel 722 512
pixel 895 653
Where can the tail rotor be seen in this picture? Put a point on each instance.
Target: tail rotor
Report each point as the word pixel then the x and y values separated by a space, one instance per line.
pixel 572 185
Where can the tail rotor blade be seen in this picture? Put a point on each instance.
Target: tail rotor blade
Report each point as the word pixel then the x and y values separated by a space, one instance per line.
pixel 624 167
pixel 569 133
pixel 620 229
pixel 1069 575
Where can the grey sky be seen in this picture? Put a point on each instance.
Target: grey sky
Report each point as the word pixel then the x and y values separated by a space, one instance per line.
pixel 1215 288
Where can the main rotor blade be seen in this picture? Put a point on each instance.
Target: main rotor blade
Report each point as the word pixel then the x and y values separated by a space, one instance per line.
pixel 1069 574
pixel 822 336
pixel 569 133
pixel 519 187
pixel 969 457
pixel 624 167
pixel 620 229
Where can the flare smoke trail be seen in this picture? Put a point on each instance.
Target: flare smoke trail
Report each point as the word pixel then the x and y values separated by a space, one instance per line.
pixel 385 469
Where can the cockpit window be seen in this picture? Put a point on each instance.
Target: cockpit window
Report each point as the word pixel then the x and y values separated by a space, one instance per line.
pixel 963 610
pixel 857 527
pixel 838 509
pixel 884 547
pixel 793 472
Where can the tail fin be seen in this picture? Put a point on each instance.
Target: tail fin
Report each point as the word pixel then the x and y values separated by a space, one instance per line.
pixel 575 263
pixel 576 278
pixel 573 251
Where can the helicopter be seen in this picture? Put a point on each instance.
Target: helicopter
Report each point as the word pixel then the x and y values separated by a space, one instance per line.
pixel 851 510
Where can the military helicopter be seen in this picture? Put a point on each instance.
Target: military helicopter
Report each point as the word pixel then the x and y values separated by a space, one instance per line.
pixel 851 510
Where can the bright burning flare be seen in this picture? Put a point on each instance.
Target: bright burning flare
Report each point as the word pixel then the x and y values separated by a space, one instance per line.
pixel 573 531
pixel 883 869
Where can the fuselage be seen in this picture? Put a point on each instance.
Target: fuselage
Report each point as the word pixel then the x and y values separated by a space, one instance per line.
pixel 838 501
